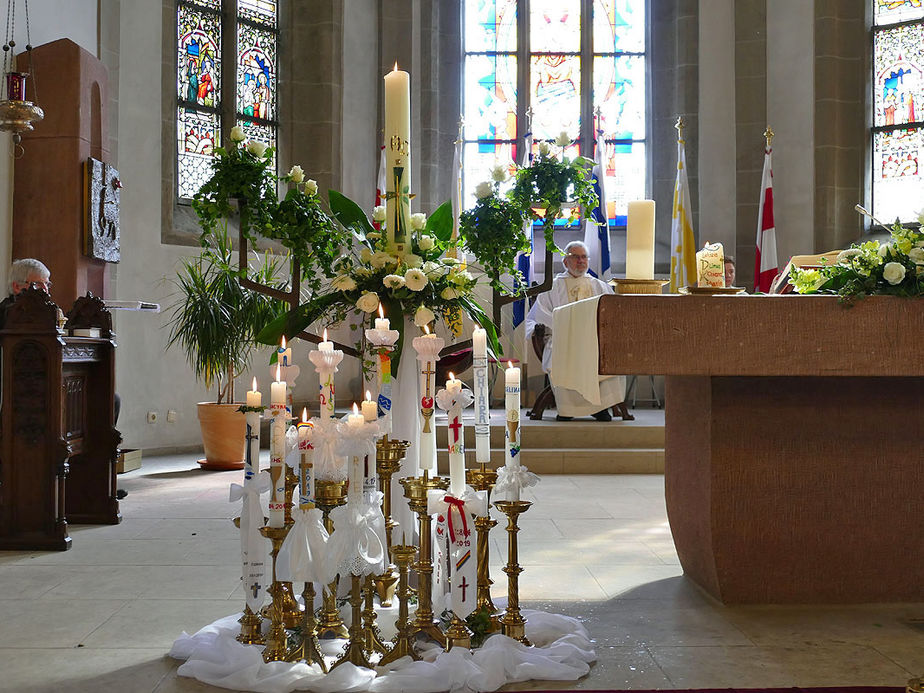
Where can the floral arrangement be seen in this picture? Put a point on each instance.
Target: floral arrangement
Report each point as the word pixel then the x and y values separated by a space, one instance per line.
pixel 895 268
pixel 549 183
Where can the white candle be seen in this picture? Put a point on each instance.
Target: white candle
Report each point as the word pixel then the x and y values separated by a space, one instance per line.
pixel 640 240
pixel 277 450
pixel 306 464
pixel 254 396
pixel 428 347
pixel 456 439
pixel 284 354
pixel 452 385
pixel 326 345
pixel 397 150
pixel 482 408
pixel 370 410
pixel 512 434
pixel 381 322
pixel 252 456
pixel 355 419
pixel 278 390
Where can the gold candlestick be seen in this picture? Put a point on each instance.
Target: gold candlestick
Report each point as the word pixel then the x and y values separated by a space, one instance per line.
pixel 458 634
pixel 308 650
pixel 291 611
pixel 403 642
pixel 355 652
pixel 275 650
pixel 330 494
pixel 372 637
pixel 483 480
pixel 251 633
pixel 512 622
pixel 388 456
pixel 415 490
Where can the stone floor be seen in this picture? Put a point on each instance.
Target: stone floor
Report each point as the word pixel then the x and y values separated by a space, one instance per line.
pixel 101 616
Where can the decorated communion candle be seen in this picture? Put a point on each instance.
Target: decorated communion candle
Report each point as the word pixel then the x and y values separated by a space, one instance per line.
pixel 306 463
pixel 278 390
pixel 398 163
pixel 381 322
pixel 252 452
pixel 482 409
pixel 284 354
pixel 355 420
pixel 456 439
pixel 710 265
pixel 326 345
pixel 370 408
pixel 427 346
pixel 277 451
pixel 512 435
pixel 640 240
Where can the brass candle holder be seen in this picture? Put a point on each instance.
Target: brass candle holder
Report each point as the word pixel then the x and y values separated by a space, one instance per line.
pixel 388 456
pixel 291 611
pixel 415 490
pixel 372 637
pixel 483 479
pixel 458 634
pixel 638 286
pixel 512 622
pixel 355 652
pixel 330 494
pixel 308 650
pixel 403 642
pixel 275 650
pixel 251 631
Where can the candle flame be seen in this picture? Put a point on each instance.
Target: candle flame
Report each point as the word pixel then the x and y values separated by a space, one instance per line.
pixel 355 409
pixel 451 376
pixel 254 388
pixel 283 342
pixel 426 329
pixel 368 396
pixel 325 334
pixel 381 313
pixel 278 373
pixel 395 68
pixel 305 415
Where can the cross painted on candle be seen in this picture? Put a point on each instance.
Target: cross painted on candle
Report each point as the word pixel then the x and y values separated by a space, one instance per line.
pixel 455 427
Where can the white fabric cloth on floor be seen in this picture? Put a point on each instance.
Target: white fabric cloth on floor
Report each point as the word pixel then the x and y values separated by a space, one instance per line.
pixel 562 651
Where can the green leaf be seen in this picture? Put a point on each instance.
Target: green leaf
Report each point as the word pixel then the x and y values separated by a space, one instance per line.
pixel 394 312
pixel 349 213
pixel 439 223
pixel 294 321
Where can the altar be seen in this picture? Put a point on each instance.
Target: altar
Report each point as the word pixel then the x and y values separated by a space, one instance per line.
pixel 794 465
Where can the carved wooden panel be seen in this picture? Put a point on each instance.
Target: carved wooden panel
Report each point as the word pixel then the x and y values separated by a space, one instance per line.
pixel 74 411
pixel 30 392
pixel 80 353
pixel 103 198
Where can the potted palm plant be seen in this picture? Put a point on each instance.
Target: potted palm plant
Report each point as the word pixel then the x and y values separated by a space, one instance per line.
pixel 215 321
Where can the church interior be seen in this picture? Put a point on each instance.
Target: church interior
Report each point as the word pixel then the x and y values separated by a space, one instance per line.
pixel 626 532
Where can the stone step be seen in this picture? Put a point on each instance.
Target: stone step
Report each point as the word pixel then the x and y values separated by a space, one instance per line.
pixel 574 460
pixel 585 434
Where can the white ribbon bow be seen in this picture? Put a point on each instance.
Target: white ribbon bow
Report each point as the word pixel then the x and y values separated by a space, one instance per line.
pixel 447 400
pixel 514 478
pixel 253 547
pixel 357 441
pixel 354 547
pixel 324 438
pixel 302 552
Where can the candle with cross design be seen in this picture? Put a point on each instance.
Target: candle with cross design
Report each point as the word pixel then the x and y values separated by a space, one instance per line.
pixel 326 359
pixel 456 437
pixel 278 411
pixel 428 353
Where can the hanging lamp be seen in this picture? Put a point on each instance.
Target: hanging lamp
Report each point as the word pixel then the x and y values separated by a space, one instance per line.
pixel 17 113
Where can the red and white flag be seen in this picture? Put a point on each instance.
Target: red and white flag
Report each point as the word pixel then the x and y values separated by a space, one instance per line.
pixel 765 263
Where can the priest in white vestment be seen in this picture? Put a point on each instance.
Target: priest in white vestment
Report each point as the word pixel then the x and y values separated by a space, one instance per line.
pixel 574 284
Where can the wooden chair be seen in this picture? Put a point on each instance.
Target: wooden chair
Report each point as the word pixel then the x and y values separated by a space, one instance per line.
pixel 546 398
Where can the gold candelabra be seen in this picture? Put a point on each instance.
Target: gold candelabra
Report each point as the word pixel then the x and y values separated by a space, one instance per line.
pixel 308 650
pixel 388 456
pixel 415 490
pixel 483 480
pixel 512 622
pixel 275 650
pixel 355 652
pixel 330 494
pixel 403 642
pixel 372 637
pixel 291 611
pixel 251 632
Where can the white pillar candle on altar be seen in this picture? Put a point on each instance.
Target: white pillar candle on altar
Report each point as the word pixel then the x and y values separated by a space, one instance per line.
pixel 252 452
pixel 456 438
pixel 398 160
pixel 306 463
pixel 640 240
pixel 278 390
pixel 512 434
pixel 277 451
pixel 355 489
pixel 254 396
pixel 482 406
pixel 381 322
pixel 428 347
pixel 370 410
pixel 284 354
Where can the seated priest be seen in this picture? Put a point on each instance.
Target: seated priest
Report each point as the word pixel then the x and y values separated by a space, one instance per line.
pixel 573 285
pixel 23 274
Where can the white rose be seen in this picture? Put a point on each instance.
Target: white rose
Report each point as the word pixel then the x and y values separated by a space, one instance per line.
pixel 843 257
pixel 434 269
pixel 423 316
pixel 378 213
pixel 393 281
pixel 563 139
pixel 415 279
pixel 893 272
pixel 368 302
pixel 499 173
pixel 483 190
pixel 382 259
pixel 237 134
pixel 418 221
pixel 463 277
pixel 425 242
pixel 544 149
pixel 884 249
pixel 343 282
pixel 449 293
pixel 296 174
pixel 311 187
pixel 412 260
pixel 256 148
pixel 916 255
pixel 365 256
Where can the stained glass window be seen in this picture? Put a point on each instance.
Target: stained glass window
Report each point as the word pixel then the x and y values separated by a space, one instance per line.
pixel 898 100
pixel 207 107
pixel 558 89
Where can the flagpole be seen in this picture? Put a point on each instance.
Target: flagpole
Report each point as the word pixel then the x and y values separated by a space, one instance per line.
pixel 768 135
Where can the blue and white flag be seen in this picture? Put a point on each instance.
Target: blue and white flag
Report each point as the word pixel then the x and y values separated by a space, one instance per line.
pixel 597 225
pixel 523 260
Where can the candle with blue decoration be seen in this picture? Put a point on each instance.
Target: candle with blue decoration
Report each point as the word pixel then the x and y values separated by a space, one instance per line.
pixel 512 431
pixel 252 416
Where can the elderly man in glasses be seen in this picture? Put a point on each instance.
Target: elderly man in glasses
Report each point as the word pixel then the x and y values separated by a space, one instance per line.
pixel 574 284
pixel 23 274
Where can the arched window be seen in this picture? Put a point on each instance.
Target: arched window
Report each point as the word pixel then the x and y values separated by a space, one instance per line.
pixel 222 83
pixel 898 109
pixel 559 61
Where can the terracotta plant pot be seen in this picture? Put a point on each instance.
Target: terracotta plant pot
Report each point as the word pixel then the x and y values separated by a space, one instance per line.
pixel 223 435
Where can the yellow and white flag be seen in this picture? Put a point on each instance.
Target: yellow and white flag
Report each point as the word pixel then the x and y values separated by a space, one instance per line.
pixel 683 243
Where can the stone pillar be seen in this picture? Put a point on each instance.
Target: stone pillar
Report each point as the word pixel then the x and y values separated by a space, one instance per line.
pixel 49 189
